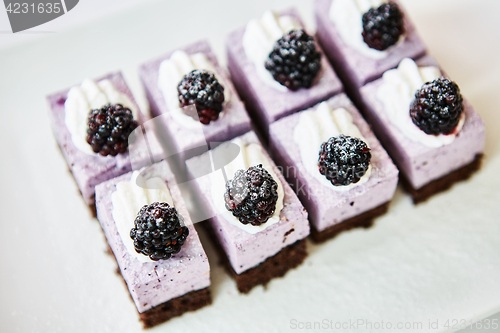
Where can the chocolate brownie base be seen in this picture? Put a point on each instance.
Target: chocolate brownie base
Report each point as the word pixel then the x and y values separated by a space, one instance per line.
pixel 191 301
pixel 444 183
pixel 92 207
pixel 364 220
pixel 276 266
pixel 175 307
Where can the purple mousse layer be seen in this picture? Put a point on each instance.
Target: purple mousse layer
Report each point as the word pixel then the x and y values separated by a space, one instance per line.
pixel 233 122
pixel 153 283
pixel 325 205
pixel 90 170
pixel 266 104
pixel 354 68
pixel 421 164
pixel 245 250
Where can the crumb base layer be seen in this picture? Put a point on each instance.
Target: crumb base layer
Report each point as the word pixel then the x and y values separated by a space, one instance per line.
pixel 92 207
pixel 444 183
pixel 364 220
pixel 276 266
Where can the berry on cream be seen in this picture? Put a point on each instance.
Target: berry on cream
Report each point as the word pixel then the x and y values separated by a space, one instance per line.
pixel 172 72
pixel 397 93
pixel 347 15
pixel 259 39
pixel 250 155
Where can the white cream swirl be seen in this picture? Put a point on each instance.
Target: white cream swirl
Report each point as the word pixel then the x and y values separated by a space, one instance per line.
pixel 128 199
pixel 250 155
pixel 317 126
pixel 171 73
pixel 347 15
pixel 89 96
pixel 259 39
pixel 397 93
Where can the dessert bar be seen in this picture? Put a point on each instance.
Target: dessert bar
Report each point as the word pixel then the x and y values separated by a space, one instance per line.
pixel 340 28
pixel 193 100
pixel 69 115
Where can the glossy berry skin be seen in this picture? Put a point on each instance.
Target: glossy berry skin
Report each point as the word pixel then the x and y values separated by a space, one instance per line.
pixel 108 129
pixel 294 61
pixel 343 160
pixel 437 107
pixel 157 231
pixel 252 195
pixel 202 89
pixel 383 26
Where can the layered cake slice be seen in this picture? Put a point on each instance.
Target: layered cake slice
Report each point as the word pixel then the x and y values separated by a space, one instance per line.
pixel 432 133
pixel 194 101
pixel 93 124
pixel 152 237
pixel 336 165
pixel 278 68
pixel 365 38
pixel 252 212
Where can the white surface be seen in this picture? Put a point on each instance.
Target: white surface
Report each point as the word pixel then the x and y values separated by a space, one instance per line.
pixel 433 262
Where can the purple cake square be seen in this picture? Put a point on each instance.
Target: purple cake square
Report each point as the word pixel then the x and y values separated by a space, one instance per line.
pixel 266 102
pixel 185 136
pixel 355 67
pixel 427 168
pixel 332 209
pixel 160 289
pixel 255 254
pixel 88 168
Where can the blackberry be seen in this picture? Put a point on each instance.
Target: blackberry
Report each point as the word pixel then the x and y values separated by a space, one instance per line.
pixel 157 232
pixel 251 195
pixel 294 61
pixel 437 107
pixel 343 160
pixel 383 26
pixel 108 129
pixel 201 89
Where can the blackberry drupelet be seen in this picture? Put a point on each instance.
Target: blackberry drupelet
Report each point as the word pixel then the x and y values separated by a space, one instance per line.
pixel 294 61
pixel 437 107
pixel 343 160
pixel 108 129
pixel 158 232
pixel 383 26
pixel 252 195
pixel 201 89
